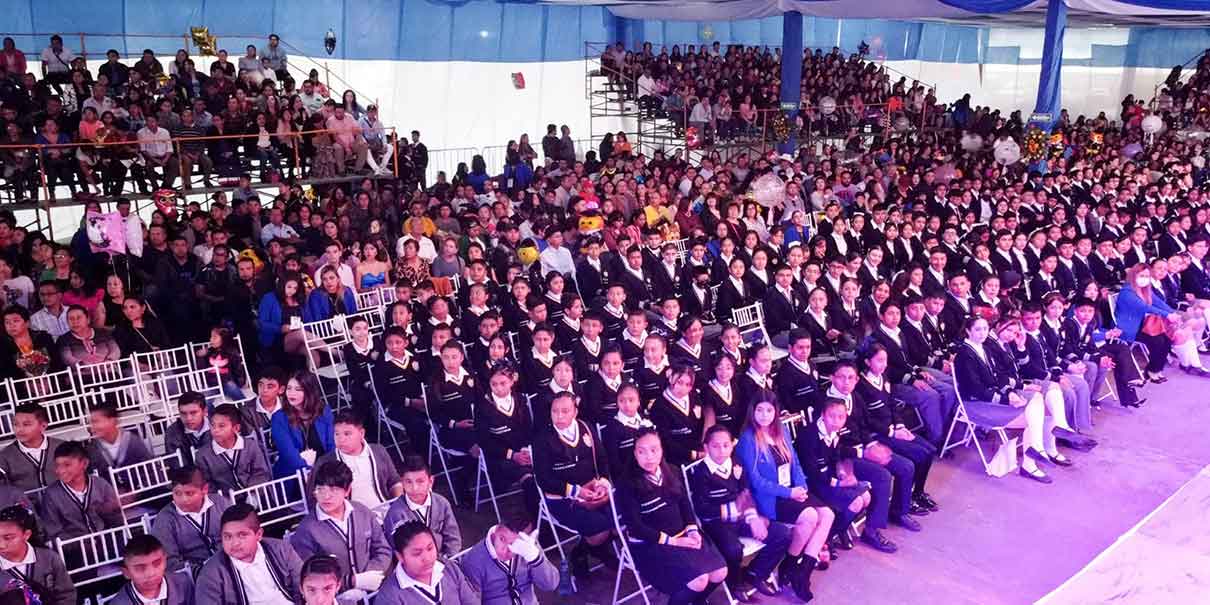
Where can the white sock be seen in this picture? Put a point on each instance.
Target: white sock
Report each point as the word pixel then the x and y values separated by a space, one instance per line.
pixel 1187 353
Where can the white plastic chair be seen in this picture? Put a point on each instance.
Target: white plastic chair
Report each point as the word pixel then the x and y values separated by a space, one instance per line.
pixel 545 516
pixel 94 557
pixel 272 498
pixel 323 340
pixel 625 559
pixel 369 298
pixel 750 546
pixel 970 425
pixel 153 366
pixel 195 361
pixel 56 392
pixel 111 381
pixel 373 315
pixel 139 485
pixel 483 477
pixel 751 322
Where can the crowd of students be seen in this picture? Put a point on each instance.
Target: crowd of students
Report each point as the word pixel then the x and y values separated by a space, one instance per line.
pixel 573 330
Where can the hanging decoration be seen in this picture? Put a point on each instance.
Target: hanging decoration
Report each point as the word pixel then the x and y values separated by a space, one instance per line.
pixel 1035 144
pixel 781 127
pixel 203 40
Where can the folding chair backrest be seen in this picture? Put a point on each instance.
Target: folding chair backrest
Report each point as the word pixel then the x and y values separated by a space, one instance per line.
pixel 751 323
pixel 89 553
pixel 369 298
pixel 373 315
pixel 325 334
pixel 153 365
pixel 144 482
pixel 111 382
pixel 168 388
pixel 276 501
pixel 57 394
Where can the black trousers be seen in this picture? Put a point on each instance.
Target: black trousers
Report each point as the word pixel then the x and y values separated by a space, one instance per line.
pixel 921 452
pixel 1158 347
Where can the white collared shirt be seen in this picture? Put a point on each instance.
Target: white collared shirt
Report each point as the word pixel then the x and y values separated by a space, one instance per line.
pixel 406 581
pixel 29 559
pixel 228 452
pixel 196 517
pixel 504 404
pixel 456 378
pixel 612 383
pixel 722 470
pixel 571 434
pixel 37 452
pixel 829 439
pixel 161 596
pixel 362 465
pixel 259 585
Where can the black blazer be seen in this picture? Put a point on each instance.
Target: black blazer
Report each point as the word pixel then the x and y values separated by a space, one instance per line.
pixel 782 312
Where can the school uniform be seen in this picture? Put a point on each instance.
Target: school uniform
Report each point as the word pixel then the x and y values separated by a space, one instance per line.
pixel 591 277
pixel 175 589
pixel 374 475
pixel 600 398
pixel 542 400
pixel 739 356
pixel 360 362
pixel 656 509
pixel 715 489
pixel 699 302
pixel 512 582
pixel 503 427
pixel 13 496
pixel 567 332
pixel 243 465
pixel 631 347
pixel 651 380
pixel 668 329
pixel 797 387
pixel 615 321
pixel 618 434
pixel 450 587
pixel 908 361
pixel 732 294
pixel 29 469
pixel 822 453
pixel 637 283
pixel 44 572
pixel 537 370
pixel 696 357
pixel 883 417
pixel 396 382
pixel 190 539
pixel 68 514
pixel 890 485
pixel 129 449
pixel 435 512
pixel 563 461
pixel 255 418
pixel 272 578
pixel 355 539
pixel 680 425
pixel 179 438
pixel 554 308
pixel 587 355
pixel 728 403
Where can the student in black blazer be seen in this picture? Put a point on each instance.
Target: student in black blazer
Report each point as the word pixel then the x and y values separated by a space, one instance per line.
pixel 907 371
pixel 734 291
pixel 636 279
pixel 782 305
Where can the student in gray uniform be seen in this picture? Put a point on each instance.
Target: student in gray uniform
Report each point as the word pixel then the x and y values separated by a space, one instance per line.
pixel 421 503
pixel 422 577
pixel 191 430
pixel 28 463
pixel 321 580
pixel 508 566
pixel 231 461
pixel 78 503
pixel 189 527
pixel 145 565
pixel 39 568
pixel 110 446
pixel 250 569
pixel 375 480
pixel 344 529
pixel 269 391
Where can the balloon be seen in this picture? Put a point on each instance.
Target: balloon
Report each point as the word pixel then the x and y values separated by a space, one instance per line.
pixel 1131 150
pixel 693 138
pixel 165 202
pixel 902 124
pixel 769 190
pixel 1007 152
pixel 1152 124
pixel 827 105
pixel 972 142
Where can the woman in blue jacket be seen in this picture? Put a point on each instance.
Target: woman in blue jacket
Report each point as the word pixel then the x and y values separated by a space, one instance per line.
pixel 1134 304
pixel 302 429
pixel 779 488
pixel 275 312
pixel 330 299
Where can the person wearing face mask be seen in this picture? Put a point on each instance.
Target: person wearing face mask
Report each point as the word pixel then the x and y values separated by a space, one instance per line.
pixel 1143 316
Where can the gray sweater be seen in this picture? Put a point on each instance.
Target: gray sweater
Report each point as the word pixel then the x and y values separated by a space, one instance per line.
pixel 369 547
pixel 493 582
pixel 23 472
pixel 64 516
pixel 385 475
pixel 48 577
pixel 440 519
pixel 180 592
pixel 219 583
pixel 248 466
pixel 131 450
pixel 454 589
pixel 185 544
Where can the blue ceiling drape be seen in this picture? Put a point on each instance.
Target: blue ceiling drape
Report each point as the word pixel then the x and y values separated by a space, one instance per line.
pixel 1050 83
pixel 989 6
pixel 1175 5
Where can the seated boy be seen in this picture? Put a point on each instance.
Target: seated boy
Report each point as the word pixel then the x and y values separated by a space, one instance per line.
pixel 269 392
pixel 421 503
pixel 189 527
pixel 145 565
pixel 231 461
pixel 111 446
pixel 78 503
pixel 510 561
pixel 375 480
pixel 345 530
pixel 28 463
pixel 251 568
pixel 192 429
pixel 321 580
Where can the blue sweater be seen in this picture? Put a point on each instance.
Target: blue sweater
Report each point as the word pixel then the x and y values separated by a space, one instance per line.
pixel 1131 309
pixel 291 441
pixel 269 319
pixel 761 471
pixel 319 306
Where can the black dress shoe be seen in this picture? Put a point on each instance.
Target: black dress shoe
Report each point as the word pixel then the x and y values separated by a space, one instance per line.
pixel 1061 460
pixel 1062 433
pixel 1036 475
pixel 878 541
pixel 1036 455
pixel 917 509
pixel 926 500
pixel 908 523
pixel 764 586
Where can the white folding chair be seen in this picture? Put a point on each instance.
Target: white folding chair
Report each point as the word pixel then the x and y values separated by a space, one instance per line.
pixel 483 477
pixel 625 559
pixel 969 424
pixel 751 323
pixel 94 557
pixel 369 298
pixel 682 248
pixel 205 381
pixel 196 361
pixel 111 381
pixel 141 484
pixel 153 366
pixel 750 546
pixel 442 452
pixel 278 501
pixel 560 541
pixel 394 429
pixel 324 339
pixel 373 315
pixel 56 392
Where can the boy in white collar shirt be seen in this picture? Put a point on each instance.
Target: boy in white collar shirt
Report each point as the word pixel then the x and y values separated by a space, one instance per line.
pixel 421 503
pixel 421 576
pixel 375 481
pixel 231 461
pixel 28 463
pixel 40 568
pixel 192 429
pixel 189 527
pixel 344 529
pixel 145 565
pixel 250 569
pixel 78 503
pixel 111 446
pixel 269 391
pixel 508 566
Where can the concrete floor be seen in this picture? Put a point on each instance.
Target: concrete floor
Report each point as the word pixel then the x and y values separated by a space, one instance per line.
pixel 1010 540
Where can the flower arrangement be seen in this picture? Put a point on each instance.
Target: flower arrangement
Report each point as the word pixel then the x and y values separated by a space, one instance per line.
pixel 1035 144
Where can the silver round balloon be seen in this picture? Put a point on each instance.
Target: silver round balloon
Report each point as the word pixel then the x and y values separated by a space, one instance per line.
pixel 1153 124
pixel 902 124
pixel 1007 152
pixel 827 105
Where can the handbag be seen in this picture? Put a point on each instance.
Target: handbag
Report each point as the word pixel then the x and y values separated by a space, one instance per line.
pixel 1153 325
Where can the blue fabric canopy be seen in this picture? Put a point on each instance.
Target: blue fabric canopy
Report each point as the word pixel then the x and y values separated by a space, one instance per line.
pixel 1050 83
pixel 988 6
